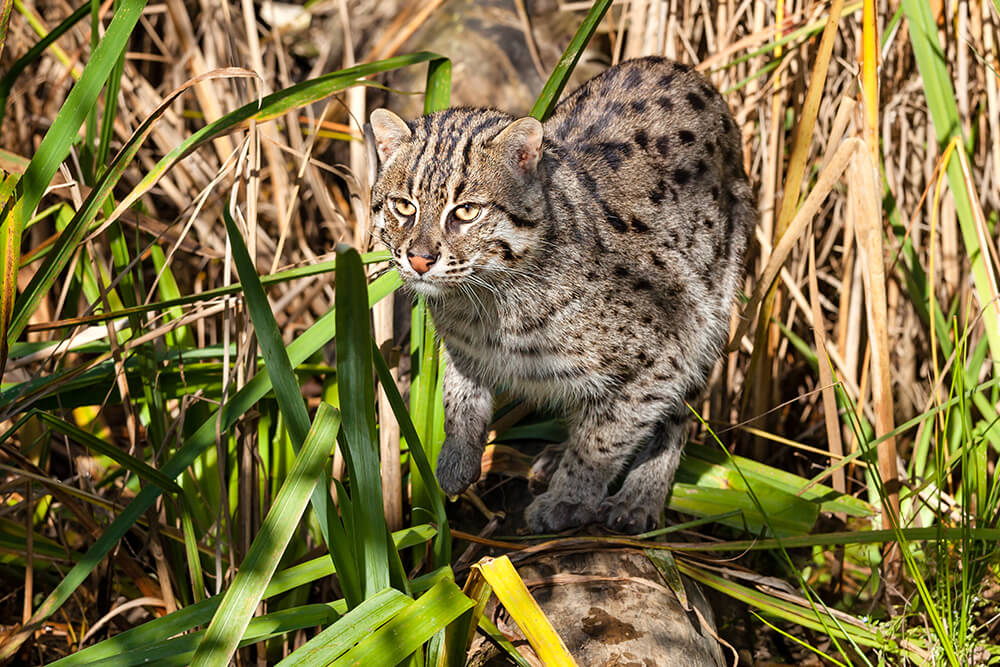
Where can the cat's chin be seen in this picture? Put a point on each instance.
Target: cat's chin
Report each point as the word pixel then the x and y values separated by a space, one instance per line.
pixel 426 288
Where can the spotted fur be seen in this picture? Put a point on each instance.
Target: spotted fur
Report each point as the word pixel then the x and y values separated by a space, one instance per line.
pixel 597 278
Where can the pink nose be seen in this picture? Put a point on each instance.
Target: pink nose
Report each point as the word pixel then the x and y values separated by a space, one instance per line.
pixel 421 263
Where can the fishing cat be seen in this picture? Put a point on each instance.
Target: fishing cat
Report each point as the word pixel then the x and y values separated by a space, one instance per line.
pixel 587 263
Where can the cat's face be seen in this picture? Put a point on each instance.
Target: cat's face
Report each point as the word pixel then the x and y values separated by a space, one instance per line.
pixel 456 199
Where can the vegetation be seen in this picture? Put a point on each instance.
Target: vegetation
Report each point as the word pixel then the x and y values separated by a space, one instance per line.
pixel 170 488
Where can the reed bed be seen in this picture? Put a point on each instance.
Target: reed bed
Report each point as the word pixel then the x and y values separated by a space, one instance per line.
pixel 188 283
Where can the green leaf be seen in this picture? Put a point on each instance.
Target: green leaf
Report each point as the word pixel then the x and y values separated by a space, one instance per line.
pixel 442 544
pixel 244 594
pixel 61 135
pixel 203 437
pixel 356 388
pixel 349 630
pixel 409 629
pixel 787 514
pixel 940 95
pixel 549 96
pixel 437 94
pixel 161 629
pixel 123 459
pixel 278 366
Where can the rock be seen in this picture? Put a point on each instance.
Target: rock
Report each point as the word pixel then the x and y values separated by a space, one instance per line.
pixel 612 608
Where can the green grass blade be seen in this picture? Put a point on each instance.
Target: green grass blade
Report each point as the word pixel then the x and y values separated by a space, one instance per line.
pixel 437 94
pixel 356 388
pixel 427 375
pixel 279 370
pixel 180 650
pixel 10 256
pixel 182 620
pixel 786 514
pixel 56 144
pixel 410 629
pixel 244 594
pixel 270 107
pixel 940 95
pixel 349 630
pixel 270 279
pixel 442 544
pixel 123 459
pixel 299 350
pixel 5 8
pixel 549 96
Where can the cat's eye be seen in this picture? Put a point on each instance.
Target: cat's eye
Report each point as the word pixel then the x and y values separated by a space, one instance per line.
pixel 404 207
pixel 467 212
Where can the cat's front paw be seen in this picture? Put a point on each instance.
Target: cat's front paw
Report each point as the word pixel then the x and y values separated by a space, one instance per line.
pixel 549 513
pixel 629 515
pixel 458 467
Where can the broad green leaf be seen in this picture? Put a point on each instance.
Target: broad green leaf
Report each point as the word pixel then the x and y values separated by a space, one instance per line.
pixel 437 94
pixel 204 437
pixel 941 101
pixel 32 54
pixel 55 146
pixel 144 471
pixel 710 467
pixel 787 514
pixel 180 650
pixel 442 545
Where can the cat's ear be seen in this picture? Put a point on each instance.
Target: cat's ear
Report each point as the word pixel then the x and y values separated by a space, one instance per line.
pixel 390 132
pixel 521 144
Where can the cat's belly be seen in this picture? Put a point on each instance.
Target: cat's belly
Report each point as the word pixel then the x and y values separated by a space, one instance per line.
pixel 534 369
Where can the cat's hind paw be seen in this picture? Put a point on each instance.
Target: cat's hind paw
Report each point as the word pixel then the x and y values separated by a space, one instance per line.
pixel 548 513
pixel 630 518
pixel 458 467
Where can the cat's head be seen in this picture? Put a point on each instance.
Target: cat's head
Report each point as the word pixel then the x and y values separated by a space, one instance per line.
pixel 457 198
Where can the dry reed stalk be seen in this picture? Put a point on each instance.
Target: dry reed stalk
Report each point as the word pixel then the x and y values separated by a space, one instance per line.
pixel 830 411
pixel 208 98
pixel 990 48
pixel 401 30
pixel 824 183
pixel 863 184
pixel 382 312
pixel 764 360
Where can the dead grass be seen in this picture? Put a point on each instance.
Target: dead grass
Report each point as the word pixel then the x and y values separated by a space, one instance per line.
pixel 838 266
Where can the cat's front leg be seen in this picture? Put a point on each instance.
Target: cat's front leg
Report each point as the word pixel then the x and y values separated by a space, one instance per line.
pixel 468 406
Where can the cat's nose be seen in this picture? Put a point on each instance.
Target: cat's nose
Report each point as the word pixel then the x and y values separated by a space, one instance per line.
pixel 421 263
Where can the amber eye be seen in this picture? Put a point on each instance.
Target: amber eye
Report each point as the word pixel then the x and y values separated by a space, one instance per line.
pixel 404 207
pixel 467 212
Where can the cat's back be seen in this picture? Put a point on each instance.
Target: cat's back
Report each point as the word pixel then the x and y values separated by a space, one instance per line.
pixel 654 106
pixel 649 155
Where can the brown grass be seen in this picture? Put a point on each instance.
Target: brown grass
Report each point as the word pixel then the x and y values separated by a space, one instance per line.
pixel 825 269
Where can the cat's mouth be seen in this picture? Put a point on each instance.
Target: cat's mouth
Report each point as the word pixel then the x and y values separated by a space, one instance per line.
pixel 426 286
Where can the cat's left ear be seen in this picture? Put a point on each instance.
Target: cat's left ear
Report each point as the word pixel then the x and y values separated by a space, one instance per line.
pixel 521 144
pixel 390 132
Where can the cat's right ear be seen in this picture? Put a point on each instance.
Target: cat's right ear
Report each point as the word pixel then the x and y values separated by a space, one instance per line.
pixel 521 145
pixel 390 133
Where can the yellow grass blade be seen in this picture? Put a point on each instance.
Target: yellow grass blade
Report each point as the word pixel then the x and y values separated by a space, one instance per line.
pixel 514 596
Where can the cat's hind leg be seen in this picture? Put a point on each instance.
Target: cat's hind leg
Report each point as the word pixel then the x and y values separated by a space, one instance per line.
pixel 603 436
pixel 636 507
